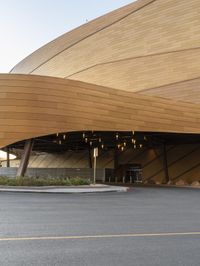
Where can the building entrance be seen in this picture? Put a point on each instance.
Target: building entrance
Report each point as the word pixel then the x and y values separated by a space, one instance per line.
pixel 132 173
pixel 129 173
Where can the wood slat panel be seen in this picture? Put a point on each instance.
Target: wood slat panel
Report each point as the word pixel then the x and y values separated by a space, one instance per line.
pixel 26 115
pixel 73 37
pixel 182 91
pixel 144 45
pixel 144 73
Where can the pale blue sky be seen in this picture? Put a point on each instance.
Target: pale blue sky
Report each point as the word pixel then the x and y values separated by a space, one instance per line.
pixel 26 25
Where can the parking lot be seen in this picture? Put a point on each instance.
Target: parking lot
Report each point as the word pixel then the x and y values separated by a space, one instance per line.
pixel 146 226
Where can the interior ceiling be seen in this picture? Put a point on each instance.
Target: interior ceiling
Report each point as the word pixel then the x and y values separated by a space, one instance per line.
pixel 150 47
pixel 106 140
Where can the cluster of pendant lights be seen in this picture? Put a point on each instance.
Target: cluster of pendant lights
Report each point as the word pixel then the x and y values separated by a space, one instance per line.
pixel 120 143
pixel 87 140
pixel 59 141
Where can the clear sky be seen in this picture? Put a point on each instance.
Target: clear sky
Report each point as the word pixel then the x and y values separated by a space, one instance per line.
pixel 26 25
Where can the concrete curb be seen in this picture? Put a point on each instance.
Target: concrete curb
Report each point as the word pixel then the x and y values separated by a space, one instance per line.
pixel 172 186
pixel 180 186
pixel 65 190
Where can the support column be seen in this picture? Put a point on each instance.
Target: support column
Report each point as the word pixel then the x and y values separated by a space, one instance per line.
pixel 25 157
pixel 116 163
pixel 165 164
pixel 8 157
pixel 89 158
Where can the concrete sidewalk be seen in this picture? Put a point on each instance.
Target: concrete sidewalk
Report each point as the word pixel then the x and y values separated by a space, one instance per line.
pixel 65 189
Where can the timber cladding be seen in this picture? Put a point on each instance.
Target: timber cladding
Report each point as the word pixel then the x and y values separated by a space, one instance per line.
pixel 143 45
pixel 32 106
pixel 115 73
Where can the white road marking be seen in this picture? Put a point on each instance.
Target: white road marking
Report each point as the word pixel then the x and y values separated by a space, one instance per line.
pixel 99 236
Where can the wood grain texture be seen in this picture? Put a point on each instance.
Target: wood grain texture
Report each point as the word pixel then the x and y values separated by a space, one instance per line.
pixel 141 46
pixel 32 106
pixel 182 91
pixel 134 69
pixel 74 37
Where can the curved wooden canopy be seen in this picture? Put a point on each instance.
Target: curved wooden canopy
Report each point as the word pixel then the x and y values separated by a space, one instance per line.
pixel 110 74
pixel 32 106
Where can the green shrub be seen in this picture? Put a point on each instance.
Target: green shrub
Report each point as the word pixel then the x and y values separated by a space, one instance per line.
pixel 30 181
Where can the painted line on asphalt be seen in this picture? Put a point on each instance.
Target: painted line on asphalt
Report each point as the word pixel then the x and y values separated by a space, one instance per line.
pixel 99 236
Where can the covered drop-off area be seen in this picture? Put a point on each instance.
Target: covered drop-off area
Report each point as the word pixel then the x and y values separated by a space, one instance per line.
pixel 123 157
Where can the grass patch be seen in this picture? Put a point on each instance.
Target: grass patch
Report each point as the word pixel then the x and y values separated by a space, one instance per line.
pixel 29 181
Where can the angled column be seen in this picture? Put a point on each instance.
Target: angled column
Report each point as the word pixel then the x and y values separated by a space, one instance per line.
pixel 89 158
pixel 165 164
pixel 116 163
pixel 8 157
pixel 25 157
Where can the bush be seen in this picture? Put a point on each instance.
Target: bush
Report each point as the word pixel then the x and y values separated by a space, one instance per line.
pixel 30 181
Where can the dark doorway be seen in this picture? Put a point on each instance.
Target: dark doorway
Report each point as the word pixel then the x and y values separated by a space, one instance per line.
pixel 133 173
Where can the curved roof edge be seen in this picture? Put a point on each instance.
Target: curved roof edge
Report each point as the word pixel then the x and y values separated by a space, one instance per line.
pixel 33 106
pixel 50 50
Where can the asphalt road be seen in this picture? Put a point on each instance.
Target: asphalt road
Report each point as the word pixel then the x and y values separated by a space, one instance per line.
pixel 107 229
